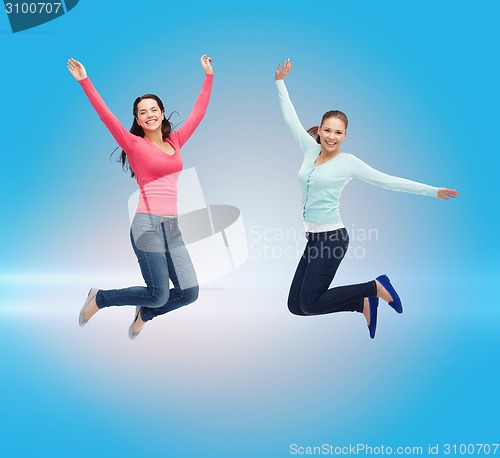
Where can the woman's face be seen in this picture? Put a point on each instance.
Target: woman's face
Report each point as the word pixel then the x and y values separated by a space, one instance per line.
pixel 331 135
pixel 149 115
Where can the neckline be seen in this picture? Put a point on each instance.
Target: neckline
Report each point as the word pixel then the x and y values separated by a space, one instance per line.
pixel 160 150
pixel 326 162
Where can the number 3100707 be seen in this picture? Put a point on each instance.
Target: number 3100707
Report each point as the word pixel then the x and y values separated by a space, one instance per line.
pixel 33 8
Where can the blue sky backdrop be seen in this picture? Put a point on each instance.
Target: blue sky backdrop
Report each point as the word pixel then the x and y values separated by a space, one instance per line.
pixel 235 375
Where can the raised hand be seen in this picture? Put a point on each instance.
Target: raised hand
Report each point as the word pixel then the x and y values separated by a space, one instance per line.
pixel 446 194
pixel 76 69
pixel 205 63
pixel 282 72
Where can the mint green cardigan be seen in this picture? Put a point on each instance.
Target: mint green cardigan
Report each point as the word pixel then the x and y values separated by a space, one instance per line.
pixel 321 186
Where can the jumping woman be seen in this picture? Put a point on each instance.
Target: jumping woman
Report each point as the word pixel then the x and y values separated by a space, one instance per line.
pixel 324 173
pixel 152 151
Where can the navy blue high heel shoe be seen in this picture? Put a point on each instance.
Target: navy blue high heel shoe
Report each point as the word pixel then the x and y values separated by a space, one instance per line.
pixel 373 303
pixel 396 301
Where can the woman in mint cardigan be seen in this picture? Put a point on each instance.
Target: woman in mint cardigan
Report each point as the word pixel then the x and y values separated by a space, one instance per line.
pixel 324 173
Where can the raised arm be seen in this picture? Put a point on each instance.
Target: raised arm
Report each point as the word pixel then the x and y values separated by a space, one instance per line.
pixel 122 136
pixel 200 106
pixel 369 174
pixel 300 135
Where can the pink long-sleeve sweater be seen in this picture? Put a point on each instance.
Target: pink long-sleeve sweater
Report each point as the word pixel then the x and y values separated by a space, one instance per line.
pixel 156 172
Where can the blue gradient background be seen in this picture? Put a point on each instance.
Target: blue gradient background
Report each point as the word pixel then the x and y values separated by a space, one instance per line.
pixel 235 375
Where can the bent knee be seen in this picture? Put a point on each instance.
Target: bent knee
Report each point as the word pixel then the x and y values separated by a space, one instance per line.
pixel 308 308
pixel 294 308
pixel 158 298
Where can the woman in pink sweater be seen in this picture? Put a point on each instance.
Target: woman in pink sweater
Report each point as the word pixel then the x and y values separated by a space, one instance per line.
pixel 152 151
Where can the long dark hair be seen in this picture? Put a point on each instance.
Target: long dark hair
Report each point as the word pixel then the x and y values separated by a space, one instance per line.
pixel 313 131
pixel 166 128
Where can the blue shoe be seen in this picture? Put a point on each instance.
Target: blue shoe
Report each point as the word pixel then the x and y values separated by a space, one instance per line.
pixel 396 301
pixel 131 334
pixel 373 303
pixel 82 321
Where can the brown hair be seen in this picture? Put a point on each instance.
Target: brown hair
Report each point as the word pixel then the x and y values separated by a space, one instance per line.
pixel 166 128
pixel 313 131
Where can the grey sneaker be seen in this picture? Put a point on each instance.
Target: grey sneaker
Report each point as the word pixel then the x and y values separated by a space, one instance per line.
pixel 82 321
pixel 131 334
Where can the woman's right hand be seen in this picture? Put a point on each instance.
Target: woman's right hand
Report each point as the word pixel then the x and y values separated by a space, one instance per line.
pixel 76 69
pixel 282 72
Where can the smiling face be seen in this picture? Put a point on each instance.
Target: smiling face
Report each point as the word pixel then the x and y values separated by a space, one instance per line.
pixel 331 135
pixel 149 115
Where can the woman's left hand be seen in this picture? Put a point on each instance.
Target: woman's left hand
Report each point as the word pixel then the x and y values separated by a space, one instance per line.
pixel 205 63
pixel 76 69
pixel 445 193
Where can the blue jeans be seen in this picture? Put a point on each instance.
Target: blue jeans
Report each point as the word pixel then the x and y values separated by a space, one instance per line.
pixel 309 293
pixel 161 253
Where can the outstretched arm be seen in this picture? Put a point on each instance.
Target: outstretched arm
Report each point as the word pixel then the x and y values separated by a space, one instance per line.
pixel 200 106
pixel 122 136
pixel 300 135
pixel 369 174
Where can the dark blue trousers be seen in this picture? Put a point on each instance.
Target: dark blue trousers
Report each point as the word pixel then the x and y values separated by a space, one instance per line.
pixel 310 293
